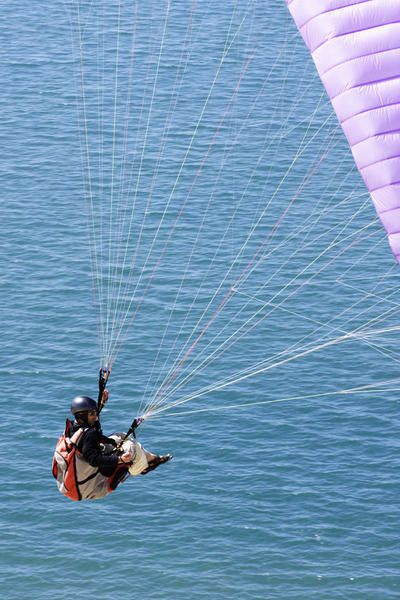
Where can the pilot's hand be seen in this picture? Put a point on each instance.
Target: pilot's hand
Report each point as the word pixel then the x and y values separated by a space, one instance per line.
pixel 104 397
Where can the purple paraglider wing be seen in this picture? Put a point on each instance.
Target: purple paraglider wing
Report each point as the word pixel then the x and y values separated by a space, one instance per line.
pixel 355 45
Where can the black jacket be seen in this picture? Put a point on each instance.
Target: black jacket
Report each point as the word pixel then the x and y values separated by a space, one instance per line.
pixel 90 445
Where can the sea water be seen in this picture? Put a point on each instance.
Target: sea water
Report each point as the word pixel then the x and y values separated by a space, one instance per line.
pixel 296 499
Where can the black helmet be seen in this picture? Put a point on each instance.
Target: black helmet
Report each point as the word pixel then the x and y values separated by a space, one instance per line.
pixel 82 404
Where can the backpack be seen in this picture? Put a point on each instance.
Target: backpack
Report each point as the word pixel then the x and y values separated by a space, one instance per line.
pixel 64 462
pixel 75 478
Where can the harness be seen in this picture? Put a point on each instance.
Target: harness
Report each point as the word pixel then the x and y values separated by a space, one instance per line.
pixel 75 478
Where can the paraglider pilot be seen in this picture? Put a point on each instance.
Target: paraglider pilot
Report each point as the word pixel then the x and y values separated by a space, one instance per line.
pixel 87 464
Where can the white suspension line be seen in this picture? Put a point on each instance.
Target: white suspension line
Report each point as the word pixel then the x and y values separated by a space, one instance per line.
pixel 147 129
pixel 236 379
pixel 176 181
pixel 110 216
pixel 171 109
pixel 188 263
pixel 284 287
pixel 86 159
pixel 122 176
pixel 261 369
pixel 355 333
pixel 367 389
pixel 205 361
pixel 229 271
pixel 232 217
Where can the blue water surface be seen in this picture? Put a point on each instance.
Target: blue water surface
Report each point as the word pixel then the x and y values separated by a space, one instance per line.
pixel 263 500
